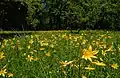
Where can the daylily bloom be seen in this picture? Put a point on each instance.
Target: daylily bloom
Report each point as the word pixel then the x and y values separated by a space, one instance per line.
pixel 52 46
pixel 42 49
pixel 104 53
pixel 48 54
pixel 110 48
pixel 30 58
pixel 31 41
pixel 1 55
pixel 64 64
pixel 63 35
pixel 68 37
pixel 28 46
pixel 31 36
pixel 44 44
pixel 3 72
pixel 84 41
pixel 84 76
pixel 115 66
pixel 10 75
pixel 89 54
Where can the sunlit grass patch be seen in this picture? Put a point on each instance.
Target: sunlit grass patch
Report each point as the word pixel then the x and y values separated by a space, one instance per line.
pixel 89 54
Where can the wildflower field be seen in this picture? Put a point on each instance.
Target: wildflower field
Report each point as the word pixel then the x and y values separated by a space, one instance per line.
pixel 89 54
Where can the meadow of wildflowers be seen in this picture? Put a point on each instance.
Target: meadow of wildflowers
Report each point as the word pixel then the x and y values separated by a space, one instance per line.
pixel 89 54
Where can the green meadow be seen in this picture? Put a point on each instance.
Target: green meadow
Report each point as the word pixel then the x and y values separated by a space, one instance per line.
pixel 60 54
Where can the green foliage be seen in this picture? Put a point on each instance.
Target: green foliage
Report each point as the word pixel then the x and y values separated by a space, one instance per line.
pixel 33 7
pixel 94 13
pixel 56 54
pixel 83 14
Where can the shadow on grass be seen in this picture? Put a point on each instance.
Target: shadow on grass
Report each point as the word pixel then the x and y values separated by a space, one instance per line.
pixel 11 35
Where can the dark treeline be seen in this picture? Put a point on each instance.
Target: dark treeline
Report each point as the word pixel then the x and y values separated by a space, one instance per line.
pixel 59 14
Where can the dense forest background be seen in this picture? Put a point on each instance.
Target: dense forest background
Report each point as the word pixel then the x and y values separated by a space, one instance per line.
pixel 59 14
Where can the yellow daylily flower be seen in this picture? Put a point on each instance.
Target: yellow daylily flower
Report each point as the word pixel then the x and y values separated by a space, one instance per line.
pixel 3 46
pixel 110 48
pixel 31 41
pixel 89 54
pixel 81 37
pixel 36 35
pixel 97 43
pixel 5 41
pixel 42 49
pixel 1 55
pixel 109 37
pixel 115 66
pixel 64 64
pixel 75 38
pixel 48 54
pixel 67 37
pixel 52 46
pixel 102 35
pixel 84 76
pixel 104 45
pixel 63 35
pixel 84 41
pixel 31 36
pixel 44 44
pixel 3 72
pixel 104 53
pixel 28 46
pixel 30 58
pixel 10 74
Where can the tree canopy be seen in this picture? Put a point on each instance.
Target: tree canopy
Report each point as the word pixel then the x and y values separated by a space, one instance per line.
pixel 59 14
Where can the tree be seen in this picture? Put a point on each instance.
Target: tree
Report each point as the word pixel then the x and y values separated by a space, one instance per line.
pixel 12 15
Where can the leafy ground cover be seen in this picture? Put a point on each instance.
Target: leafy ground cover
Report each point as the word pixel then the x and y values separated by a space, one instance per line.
pixel 89 54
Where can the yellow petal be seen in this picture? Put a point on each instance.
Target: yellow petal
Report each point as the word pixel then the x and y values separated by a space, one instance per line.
pixel 101 59
pixel 84 76
pixel 48 54
pixel 89 68
pixel 36 59
pixel 93 56
pixel 90 48
pixel 1 55
pixel 115 66
pixel 10 75
pixel 3 72
pixel 90 59
pixel 99 63
pixel 42 48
